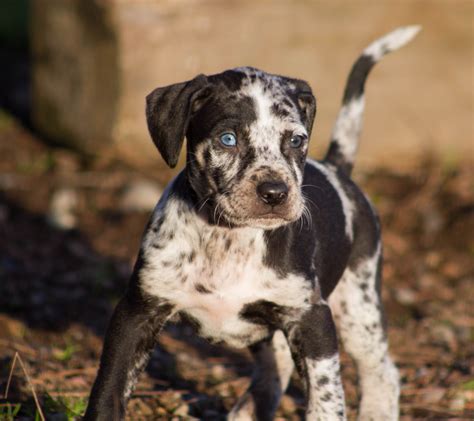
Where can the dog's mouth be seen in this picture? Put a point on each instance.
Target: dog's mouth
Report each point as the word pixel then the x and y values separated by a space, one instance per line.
pixel 270 219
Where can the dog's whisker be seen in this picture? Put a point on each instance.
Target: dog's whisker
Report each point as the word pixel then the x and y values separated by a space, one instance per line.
pixel 203 203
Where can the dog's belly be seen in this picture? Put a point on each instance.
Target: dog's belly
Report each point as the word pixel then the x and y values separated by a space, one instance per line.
pixel 219 320
pixel 215 300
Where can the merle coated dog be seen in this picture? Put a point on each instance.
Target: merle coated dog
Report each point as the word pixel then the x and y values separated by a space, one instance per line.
pixel 260 246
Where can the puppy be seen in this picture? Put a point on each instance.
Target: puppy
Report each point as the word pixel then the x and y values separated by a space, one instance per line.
pixel 259 246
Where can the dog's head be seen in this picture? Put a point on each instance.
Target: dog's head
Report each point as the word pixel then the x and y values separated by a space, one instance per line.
pixel 247 138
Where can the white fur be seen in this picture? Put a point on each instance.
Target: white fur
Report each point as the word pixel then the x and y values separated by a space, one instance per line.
pixel 356 306
pixel 266 131
pixel 348 127
pixel 319 407
pixel 392 41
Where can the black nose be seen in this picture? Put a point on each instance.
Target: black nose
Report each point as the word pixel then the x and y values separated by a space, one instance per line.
pixel 272 193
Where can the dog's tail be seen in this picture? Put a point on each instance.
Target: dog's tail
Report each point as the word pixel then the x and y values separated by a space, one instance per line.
pixel 345 134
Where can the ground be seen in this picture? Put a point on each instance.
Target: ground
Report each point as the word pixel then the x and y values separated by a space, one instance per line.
pixel 58 286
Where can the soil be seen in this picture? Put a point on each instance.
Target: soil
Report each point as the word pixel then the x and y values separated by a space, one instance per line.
pixel 58 287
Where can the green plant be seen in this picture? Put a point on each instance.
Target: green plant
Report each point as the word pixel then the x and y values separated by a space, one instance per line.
pixel 66 353
pixel 71 407
pixel 8 411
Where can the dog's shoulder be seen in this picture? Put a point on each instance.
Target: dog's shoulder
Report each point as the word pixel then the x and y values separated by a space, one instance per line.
pixel 339 198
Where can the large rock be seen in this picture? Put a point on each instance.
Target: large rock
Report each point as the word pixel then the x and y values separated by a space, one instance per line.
pixel 95 60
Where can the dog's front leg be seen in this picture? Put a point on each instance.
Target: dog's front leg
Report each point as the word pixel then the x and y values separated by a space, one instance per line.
pixel 313 344
pixel 130 338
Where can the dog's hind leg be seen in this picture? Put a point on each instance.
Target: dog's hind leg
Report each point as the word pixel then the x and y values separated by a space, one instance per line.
pixel 357 307
pixel 274 366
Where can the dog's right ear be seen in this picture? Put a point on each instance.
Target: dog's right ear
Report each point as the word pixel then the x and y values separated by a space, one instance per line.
pixel 168 111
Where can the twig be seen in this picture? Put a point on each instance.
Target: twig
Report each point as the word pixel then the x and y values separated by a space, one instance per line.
pixel 35 397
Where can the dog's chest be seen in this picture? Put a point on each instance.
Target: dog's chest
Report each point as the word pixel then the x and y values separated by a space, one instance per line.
pixel 212 273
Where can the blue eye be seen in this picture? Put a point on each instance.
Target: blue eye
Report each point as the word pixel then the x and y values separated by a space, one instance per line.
pixel 228 139
pixel 296 141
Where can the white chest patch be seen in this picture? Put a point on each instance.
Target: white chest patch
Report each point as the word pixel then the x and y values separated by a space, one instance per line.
pixel 210 273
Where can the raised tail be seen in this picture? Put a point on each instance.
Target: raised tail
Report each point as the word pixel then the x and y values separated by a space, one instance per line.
pixel 346 131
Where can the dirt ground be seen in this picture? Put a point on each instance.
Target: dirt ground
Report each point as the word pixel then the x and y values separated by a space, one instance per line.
pixel 58 287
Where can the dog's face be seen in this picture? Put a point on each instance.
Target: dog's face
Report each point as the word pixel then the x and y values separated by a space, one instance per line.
pixel 247 135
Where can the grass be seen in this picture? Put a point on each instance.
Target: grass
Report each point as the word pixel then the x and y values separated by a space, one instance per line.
pixel 8 411
pixel 63 407
pixel 468 385
pixel 70 407
pixel 65 354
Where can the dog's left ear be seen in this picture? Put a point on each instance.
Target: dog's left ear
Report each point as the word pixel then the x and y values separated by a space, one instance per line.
pixel 168 111
pixel 307 103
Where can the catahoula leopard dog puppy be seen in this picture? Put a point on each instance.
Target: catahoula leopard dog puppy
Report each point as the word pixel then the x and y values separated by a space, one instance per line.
pixel 259 246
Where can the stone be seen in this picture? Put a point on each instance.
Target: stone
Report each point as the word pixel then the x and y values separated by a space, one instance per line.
pixel 141 196
pixel 62 208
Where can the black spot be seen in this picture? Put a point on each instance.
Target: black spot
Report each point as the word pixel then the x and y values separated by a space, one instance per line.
pixel 366 298
pixel 228 243
pixel 263 312
pixel 191 256
pixel 279 111
pixel 202 289
pixel 187 318
pixel 245 161
pixel 364 286
pixel 157 246
pixel 326 397
pixel 323 381
pixel 231 79
pixel 344 307
pixel 207 156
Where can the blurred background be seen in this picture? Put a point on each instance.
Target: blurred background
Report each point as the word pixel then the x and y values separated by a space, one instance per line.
pixel 79 177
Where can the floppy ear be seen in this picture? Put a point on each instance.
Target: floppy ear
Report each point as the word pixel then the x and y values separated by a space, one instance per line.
pixel 168 111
